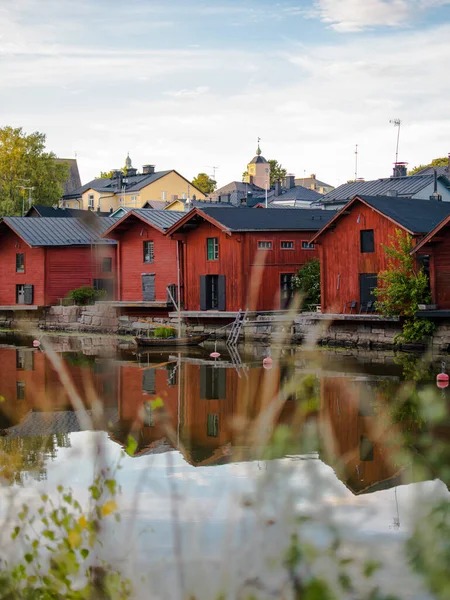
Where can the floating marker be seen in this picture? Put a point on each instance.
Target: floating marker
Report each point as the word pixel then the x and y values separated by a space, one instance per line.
pixel 36 343
pixel 214 354
pixel 268 363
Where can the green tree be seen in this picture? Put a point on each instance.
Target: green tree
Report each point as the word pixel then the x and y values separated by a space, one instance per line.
pixel 24 162
pixel 402 287
pixel 436 162
pixel 204 183
pixel 276 171
pixel 307 282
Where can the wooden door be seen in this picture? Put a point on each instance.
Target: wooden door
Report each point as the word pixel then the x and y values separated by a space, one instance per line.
pixel 148 287
pixel 367 284
pixel 20 294
pixel 285 289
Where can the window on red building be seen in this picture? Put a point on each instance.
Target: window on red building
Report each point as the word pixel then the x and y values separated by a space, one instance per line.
pixel 307 246
pixel 20 263
pixel 149 252
pixel 106 265
pixel 367 240
pixel 264 245
pixel 287 245
pixel 212 248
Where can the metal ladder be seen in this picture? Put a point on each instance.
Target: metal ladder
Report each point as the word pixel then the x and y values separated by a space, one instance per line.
pixel 236 327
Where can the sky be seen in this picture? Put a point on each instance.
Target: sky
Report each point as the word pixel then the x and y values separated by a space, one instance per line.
pixel 191 84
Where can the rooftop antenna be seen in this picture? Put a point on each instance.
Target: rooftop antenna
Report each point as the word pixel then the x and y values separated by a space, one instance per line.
pixel 356 162
pixel 396 123
pixel 214 168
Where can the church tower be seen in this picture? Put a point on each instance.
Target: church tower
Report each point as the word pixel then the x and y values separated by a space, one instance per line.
pixel 258 170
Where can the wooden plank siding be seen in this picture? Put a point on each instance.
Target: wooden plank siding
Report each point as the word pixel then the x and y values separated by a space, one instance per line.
pixel 341 259
pixel 241 262
pixel 438 250
pixel 132 266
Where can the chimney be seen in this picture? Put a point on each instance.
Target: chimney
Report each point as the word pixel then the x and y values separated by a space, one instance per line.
pixel 131 172
pixel 313 176
pixel 249 197
pixel 289 181
pixel 400 169
pixel 435 195
pixel 117 176
pixel 148 169
pixel 277 187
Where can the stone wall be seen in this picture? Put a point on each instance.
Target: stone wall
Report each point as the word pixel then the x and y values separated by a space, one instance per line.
pixel 96 318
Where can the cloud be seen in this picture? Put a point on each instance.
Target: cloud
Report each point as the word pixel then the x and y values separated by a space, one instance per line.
pixel 356 15
pixel 186 93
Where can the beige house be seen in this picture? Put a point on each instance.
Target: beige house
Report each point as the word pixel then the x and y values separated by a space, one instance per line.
pixel 132 190
pixel 312 183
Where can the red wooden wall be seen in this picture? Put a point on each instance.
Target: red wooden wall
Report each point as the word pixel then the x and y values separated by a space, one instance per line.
pixel 439 252
pixel 73 267
pixel 10 245
pixel 132 266
pixel 340 254
pixel 252 276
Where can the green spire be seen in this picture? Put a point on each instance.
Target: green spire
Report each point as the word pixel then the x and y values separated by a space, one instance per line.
pixel 128 164
pixel 258 151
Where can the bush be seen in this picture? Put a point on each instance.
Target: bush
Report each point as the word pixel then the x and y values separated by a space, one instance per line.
pixel 307 282
pixel 164 332
pixel 86 295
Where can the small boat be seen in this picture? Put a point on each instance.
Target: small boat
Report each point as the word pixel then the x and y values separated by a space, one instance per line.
pixel 190 340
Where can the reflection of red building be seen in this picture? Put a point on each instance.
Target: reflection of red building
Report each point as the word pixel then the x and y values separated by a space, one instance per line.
pixel 359 440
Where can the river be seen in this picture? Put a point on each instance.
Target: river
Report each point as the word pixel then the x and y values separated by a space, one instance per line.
pixel 318 433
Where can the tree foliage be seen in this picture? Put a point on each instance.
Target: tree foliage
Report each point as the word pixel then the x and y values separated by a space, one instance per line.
pixel 436 162
pixel 276 171
pixel 307 282
pixel 204 183
pixel 24 162
pixel 402 287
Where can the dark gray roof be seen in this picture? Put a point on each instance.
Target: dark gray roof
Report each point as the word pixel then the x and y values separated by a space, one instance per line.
pixel 54 231
pixel 163 219
pixel 430 171
pixel 258 159
pixel 237 186
pixel 290 219
pixel 404 187
pixel 131 184
pixel 73 180
pixel 50 423
pixel 418 216
pixel 158 204
pixel 50 211
pixel 298 193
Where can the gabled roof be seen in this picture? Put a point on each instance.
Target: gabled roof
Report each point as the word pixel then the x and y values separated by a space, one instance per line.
pixel 53 231
pixel 237 186
pixel 51 211
pixel 298 193
pixel 429 237
pixel 130 184
pixel 404 187
pixel 158 204
pixel 444 170
pixel 246 219
pixel 73 180
pixel 415 216
pixel 161 220
pixel 308 181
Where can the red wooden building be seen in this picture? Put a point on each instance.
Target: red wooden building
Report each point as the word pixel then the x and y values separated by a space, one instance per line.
pixel 236 258
pixel 351 246
pixel 434 249
pixel 146 257
pixel 42 260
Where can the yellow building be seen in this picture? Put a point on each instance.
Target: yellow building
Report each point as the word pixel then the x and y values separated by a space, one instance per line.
pixel 132 190
pixel 258 171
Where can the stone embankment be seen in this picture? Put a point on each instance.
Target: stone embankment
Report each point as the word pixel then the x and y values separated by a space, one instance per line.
pixel 351 331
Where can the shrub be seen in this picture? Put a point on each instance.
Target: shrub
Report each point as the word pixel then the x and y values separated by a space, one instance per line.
pixel 307 282
pixel 86 295
pixel 164 332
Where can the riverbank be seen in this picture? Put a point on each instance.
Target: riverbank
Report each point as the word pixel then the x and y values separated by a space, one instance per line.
pixel 350 330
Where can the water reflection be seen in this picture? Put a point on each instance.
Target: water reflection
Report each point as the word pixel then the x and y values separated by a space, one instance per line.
pixel 207 409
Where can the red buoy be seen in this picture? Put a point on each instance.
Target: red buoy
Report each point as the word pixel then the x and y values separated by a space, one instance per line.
pixel 214 354
pixel 267 363
pixel 36 343
pixel 442 380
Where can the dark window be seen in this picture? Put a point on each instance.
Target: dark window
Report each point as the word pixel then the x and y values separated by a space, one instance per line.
pixel 287 245
pixel 212 245
pixel 148 287
pixel 264 245
pixel 286 291
pixel 25 360
pixel 212 428
pixel 212 292
pixel 367 240
pixel 149 381
pixel 20 390
pixel 365 449
pixel 20 263
pixel 307 246
pixel 149 252
pixel 213 383
pixel 106 265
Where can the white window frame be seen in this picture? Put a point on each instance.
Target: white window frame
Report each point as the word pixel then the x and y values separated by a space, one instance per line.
pixel 91 200
pixel 291 247
pixel 265 245
pixel 164 196
pixel 151 253
pixel 307 246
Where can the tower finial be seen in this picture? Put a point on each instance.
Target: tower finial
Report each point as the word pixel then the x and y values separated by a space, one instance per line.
pixel 258 151
pixel 128 164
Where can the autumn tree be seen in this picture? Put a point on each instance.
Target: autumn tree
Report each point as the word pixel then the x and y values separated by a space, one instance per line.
pixel 204 183
pixel 25 163
pixel 436 162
